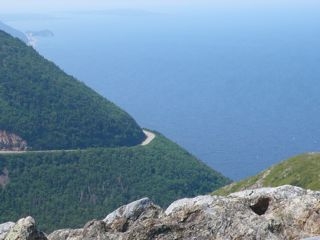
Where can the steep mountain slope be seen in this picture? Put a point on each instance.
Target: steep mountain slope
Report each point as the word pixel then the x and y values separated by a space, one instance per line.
pixel 68 188
pixel 51 110
pixel 302 171
pixel 102 165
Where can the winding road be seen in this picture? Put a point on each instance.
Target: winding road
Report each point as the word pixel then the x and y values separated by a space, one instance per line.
pixel 150 137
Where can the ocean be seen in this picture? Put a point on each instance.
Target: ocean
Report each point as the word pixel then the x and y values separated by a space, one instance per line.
pixel 237 87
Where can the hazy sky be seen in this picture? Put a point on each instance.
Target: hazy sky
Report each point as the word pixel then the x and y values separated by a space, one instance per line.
pixel 45 5
pixel 61 5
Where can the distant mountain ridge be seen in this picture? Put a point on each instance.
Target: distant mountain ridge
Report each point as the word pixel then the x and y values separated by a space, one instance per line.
pixel 51 110
pixel 13 32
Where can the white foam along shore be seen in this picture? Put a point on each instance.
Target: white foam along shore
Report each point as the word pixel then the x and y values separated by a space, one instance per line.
pixel 32 41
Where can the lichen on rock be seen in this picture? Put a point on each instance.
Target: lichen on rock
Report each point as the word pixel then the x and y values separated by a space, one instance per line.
pixel 5 228
pixel 24 229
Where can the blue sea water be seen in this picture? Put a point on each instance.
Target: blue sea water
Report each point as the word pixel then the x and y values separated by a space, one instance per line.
pixel 237 87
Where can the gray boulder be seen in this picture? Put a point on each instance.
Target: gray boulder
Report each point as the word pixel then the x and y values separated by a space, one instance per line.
pixel 25 229
pixel 116 225
pixel 5 228
pixel 285 212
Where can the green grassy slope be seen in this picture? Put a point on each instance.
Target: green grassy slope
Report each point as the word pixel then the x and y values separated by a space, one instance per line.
pixel 52 110
pixel 66 189
pixel 302 171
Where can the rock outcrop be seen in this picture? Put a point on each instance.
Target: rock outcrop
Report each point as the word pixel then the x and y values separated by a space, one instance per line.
pixel 11 142
pixel 284 212
pixel 24 229
pixel 5 228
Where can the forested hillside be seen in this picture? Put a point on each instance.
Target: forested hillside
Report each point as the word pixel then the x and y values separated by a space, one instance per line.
pixel 97 162
pixel 68 188
pixel 51 110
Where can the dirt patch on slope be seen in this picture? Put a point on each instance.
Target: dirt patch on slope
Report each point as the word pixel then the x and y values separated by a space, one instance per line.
pixel 4 177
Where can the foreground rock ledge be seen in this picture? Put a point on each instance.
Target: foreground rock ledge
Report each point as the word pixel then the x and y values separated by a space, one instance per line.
pixel 24 229
pixel 284 212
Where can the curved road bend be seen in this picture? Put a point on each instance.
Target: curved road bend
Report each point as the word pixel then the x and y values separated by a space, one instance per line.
pixel 150 137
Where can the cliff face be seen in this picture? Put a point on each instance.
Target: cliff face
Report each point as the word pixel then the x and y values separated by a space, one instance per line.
pixel 284 212
pixel 11 142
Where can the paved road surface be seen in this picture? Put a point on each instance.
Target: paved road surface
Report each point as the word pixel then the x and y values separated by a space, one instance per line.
pixel 150 137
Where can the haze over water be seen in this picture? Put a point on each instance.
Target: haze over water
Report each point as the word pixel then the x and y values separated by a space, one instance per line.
pixel 236 85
